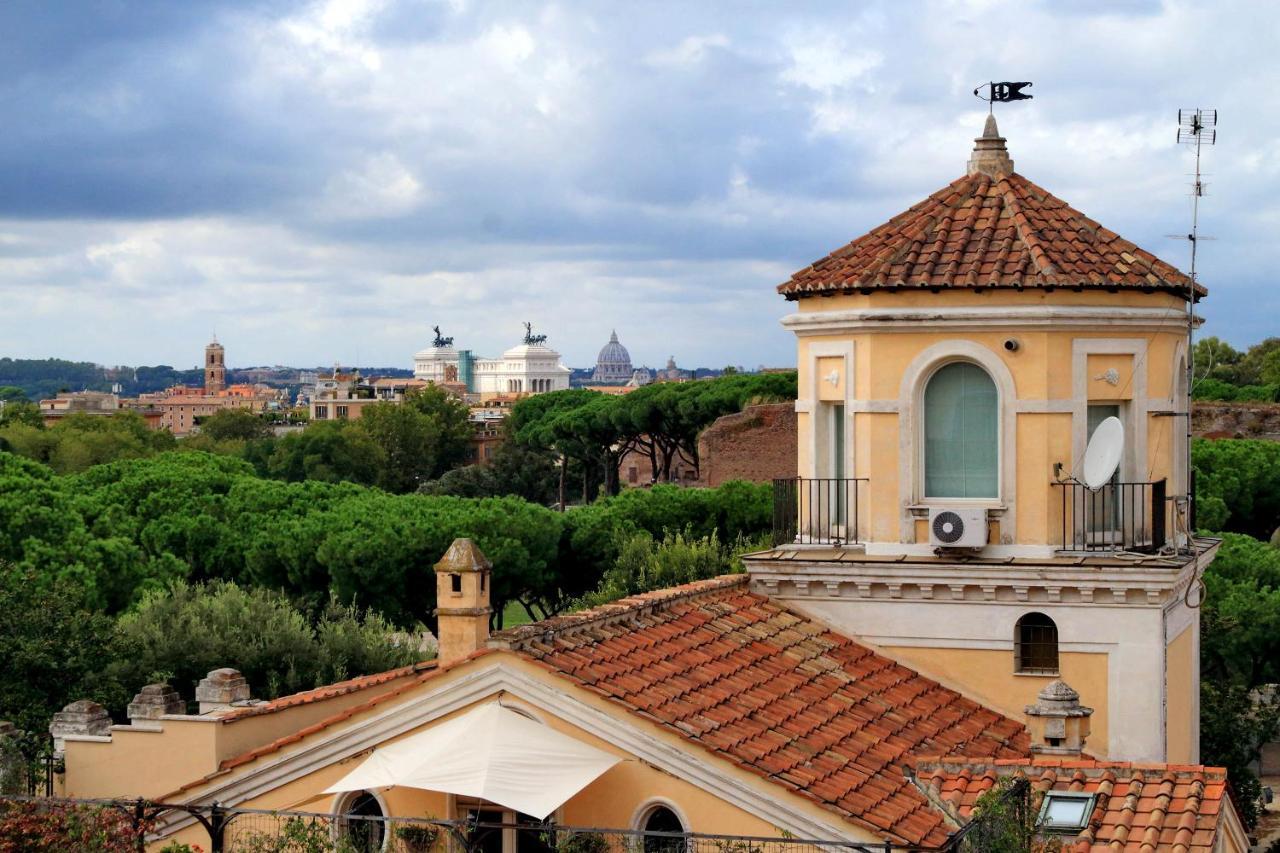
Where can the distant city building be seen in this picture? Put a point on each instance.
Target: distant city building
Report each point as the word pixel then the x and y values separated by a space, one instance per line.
pixel 613 365
pixel 181 408
pixel 671 373
pixel 215 368
pixel 640 376
pixel 532 367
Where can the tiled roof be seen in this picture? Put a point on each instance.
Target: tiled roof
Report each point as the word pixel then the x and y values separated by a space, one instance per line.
pixel 1138 807
pixel 777 694
pixel 989 229
pixel 329 691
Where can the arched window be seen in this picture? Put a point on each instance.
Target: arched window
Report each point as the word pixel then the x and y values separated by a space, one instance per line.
pixel 1036 645
pixel 660 818
pixel 360 826
pixel 961 433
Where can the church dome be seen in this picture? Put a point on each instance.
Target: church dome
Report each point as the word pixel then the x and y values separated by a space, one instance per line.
pixel 613 364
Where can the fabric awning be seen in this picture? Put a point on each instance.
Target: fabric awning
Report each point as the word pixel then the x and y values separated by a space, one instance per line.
pixel 490 752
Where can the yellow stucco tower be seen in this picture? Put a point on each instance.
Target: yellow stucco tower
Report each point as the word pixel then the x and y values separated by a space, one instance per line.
pixel 953 364
pixel 215 368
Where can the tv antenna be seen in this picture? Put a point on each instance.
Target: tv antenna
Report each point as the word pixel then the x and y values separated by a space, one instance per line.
pixel 1197 127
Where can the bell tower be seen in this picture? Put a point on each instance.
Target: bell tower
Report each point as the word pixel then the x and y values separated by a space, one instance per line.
pixel 954 364
pixel 215 368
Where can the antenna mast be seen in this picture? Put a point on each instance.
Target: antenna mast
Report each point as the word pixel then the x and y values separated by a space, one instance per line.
pixel 1196 127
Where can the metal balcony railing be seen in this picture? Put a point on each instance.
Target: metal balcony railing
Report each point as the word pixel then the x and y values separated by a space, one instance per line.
pixel 1115 517
pixel 811 511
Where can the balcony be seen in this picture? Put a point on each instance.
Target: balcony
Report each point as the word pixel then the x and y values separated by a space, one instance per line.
pixel 1115 517
pixel 821 511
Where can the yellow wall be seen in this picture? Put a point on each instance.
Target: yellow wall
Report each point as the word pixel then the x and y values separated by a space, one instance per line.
pixel 1180 690
pixel 1042 372
pixel 987 675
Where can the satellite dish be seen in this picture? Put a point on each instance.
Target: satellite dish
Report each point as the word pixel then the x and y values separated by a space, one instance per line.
pixel 1102 456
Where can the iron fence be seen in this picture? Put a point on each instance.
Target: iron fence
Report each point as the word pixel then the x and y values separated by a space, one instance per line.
pixel 126 825
pixel 812 511
pixel 1115 517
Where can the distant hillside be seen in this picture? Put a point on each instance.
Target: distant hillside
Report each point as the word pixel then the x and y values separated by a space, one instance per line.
pixel 39 378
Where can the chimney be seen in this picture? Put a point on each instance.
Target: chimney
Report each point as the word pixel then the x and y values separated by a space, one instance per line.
pixel 153 702
pixel 462 601
pixel 82 717
pixel 1059 724
pixel 989 154
pixel 221 689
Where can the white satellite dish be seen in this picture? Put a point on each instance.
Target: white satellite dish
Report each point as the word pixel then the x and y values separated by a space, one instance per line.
pixel 1102 456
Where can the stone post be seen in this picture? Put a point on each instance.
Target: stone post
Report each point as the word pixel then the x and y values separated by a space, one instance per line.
pixel 82 717
pixel 221 689
pixel 153 702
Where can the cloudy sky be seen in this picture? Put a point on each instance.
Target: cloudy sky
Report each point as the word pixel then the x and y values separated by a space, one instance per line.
pixel 325 181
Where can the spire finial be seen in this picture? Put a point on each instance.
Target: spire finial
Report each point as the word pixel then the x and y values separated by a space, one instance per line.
pixel 990 157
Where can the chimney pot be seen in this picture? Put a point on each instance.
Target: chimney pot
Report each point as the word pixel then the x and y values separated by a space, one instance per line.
pixel 1059 724
pixel 462 601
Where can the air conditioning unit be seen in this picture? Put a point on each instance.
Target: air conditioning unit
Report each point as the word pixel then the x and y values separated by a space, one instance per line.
pixel 957 527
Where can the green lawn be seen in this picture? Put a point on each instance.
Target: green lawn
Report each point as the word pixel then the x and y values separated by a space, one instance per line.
pixel 514 615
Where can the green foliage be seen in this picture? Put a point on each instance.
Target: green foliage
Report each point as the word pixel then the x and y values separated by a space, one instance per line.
pixel 327 452
pixel 1237 485
pixel 235 425
pixel 294 835
pixel 1006 820
pixel 664 419
pixel 469 481
pixel 1240 627
pixel 54 647
pixel 1233 725
pixel 420 438
pixel 183 632
pixel 21 411
pixel 79 441
pixel 644 564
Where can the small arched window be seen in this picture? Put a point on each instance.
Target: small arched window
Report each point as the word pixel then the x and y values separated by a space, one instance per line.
pixel 361 826
pixel 1036 645
pixel 659 818
pixel 961 433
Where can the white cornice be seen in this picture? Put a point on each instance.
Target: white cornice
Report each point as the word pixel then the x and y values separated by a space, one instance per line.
pixel 958 318
pixel 325 749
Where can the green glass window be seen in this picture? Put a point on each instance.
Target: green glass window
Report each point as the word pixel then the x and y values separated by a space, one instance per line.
pixel 961 433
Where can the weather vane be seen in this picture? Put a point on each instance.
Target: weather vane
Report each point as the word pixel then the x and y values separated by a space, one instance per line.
pixel 1002 93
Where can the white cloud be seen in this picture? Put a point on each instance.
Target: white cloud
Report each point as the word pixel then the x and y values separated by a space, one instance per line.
pixel 690 51
pixel 380 188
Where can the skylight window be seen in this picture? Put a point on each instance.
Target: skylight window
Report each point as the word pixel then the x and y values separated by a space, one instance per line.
pixel 1065 811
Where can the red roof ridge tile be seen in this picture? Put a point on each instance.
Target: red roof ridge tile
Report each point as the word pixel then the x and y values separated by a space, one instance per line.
pixel 328 691
pixel 612 612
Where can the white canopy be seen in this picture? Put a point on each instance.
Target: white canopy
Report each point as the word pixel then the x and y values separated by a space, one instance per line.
pixel 490 752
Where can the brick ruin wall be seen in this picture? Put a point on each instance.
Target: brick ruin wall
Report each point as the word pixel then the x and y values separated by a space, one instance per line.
pixel 757 444
pixel 1236 420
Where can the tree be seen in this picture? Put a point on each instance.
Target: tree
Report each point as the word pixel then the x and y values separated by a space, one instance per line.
pixel 21 412
pixel 1237 485
pixel 1252 362
pixel 1234 723
pixel 182 632
pixel 469 481
pixel 55 647
pixel 328 451
pixel 235 425
pixel 451 420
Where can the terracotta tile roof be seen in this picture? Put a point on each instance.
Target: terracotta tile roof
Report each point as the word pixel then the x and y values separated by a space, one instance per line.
pixel 988 232
pixel 1138 807
pixel 777 694
pixel 329 691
